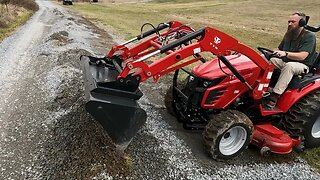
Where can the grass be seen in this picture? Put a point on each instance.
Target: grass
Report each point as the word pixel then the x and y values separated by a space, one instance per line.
pixel 253 22
pixel 14 22
pixel 313 157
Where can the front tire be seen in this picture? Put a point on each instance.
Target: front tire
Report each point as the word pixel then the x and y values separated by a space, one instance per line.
pixel 303 120
pixel 227 134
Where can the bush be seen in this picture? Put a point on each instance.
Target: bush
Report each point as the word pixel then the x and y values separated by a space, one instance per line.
pixel 28 4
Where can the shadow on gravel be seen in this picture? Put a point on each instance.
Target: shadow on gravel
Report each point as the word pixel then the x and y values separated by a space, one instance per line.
pixel 79 149
pixel 146 156
pixel 250 156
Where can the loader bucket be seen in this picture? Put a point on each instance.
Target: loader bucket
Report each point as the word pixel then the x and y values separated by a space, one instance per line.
pixel 116 110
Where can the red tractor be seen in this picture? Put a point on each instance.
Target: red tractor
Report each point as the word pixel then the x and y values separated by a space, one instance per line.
pixel 223 95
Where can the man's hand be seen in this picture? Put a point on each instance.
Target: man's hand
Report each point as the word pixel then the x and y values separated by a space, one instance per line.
pixel 280 54
pixel 296 56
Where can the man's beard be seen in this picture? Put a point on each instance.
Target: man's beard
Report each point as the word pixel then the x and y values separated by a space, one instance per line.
pixel 292 33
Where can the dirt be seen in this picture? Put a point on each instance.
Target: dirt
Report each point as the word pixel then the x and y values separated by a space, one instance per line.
pixel 85 150
pixel 61 38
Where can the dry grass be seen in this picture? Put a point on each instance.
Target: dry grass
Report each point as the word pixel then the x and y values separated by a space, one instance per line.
pixel 254 22
pixel 12 19
pixel 27 4
pixel 15 14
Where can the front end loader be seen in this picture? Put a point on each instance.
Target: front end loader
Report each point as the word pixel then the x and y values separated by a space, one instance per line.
pixel 223 95
pixel 112 97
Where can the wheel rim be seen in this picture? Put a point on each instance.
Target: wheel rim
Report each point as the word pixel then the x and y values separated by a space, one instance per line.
pixel 316 129
pixel 233 140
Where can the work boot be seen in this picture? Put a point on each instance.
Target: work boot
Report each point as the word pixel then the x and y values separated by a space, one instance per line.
pixel 271 100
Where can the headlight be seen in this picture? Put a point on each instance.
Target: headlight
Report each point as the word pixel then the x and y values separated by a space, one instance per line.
pixel 206 83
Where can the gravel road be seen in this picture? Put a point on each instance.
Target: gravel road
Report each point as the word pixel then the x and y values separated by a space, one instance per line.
pixel 45 132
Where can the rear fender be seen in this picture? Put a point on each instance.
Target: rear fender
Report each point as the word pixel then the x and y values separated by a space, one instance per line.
pixel 290 97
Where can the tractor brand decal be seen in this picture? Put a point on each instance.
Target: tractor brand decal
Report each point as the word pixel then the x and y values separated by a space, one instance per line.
pixel 236 91
pixel 196 50
pixel 232 77
pixel 217 40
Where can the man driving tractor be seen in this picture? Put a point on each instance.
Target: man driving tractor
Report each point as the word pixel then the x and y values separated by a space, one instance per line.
pixel 294 55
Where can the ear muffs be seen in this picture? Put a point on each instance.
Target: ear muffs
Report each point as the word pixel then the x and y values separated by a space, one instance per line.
pixel 302 22
pixel 304 19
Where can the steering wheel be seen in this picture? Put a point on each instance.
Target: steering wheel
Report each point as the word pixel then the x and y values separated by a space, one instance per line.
pixel 268 53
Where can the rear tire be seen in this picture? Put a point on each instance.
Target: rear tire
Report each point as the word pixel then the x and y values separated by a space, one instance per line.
pixel 303 120
pixel 227 134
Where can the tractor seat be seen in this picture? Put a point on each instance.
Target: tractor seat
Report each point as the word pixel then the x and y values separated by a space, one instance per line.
pixel 298 82
pixel 306 78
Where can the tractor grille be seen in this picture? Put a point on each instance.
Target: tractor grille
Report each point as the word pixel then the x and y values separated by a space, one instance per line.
pixel 214 95
pixel 195 88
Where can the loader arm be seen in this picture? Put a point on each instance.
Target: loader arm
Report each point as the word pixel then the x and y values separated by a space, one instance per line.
pixel 208 40
pixel 150 45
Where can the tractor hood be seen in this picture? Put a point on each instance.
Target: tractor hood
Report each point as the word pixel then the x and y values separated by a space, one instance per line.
pixel 211 69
